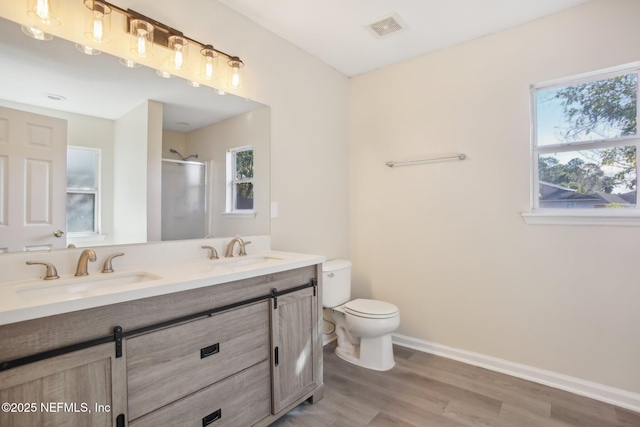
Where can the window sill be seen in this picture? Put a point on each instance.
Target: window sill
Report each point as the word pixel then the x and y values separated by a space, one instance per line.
pixel 548 218
pixel 240 214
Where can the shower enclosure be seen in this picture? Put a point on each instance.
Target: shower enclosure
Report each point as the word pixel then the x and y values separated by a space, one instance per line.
pixel 183 199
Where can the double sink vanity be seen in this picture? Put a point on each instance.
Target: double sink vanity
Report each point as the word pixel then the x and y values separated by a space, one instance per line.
pixel 170 337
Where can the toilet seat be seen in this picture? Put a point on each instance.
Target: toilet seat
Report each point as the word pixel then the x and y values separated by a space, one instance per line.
pixel 371 309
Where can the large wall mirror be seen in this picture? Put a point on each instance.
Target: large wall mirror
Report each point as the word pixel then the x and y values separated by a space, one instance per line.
pixel 147 158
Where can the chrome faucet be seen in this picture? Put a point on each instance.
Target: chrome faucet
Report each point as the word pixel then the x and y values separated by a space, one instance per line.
pixel 231 245
pixel 86 256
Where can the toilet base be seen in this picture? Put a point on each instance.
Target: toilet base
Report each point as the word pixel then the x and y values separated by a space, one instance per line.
pixel 371 353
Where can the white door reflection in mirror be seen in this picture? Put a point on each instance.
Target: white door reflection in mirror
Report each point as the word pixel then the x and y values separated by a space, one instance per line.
pixel 33 148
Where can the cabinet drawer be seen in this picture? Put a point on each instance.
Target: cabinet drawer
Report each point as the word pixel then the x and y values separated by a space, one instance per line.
pixel 240 400
pixel 165 365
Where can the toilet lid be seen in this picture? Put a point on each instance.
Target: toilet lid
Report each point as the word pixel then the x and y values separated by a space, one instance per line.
pixel 371 308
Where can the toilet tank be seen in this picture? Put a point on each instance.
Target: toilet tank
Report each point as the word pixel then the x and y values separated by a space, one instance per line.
pixel 336 282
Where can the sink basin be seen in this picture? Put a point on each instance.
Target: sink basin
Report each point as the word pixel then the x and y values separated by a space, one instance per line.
pixel 77 287
pixel 248 261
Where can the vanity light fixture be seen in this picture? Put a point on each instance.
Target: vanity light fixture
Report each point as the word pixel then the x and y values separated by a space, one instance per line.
pixel 235 80
pixel 141 37
pixel 179 47
pixel 193 83
pixel 209 62
pixel 43 11
pixel 97 21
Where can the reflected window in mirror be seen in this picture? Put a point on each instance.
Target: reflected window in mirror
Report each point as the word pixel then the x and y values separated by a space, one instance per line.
pixel 240 180
pixel 83 191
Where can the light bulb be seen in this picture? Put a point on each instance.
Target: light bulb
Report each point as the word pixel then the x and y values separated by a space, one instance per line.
pixel 209 62
pixel 97 29
pixel 208 70
pixel 235 79
pixel 142 43
pixel 43 10
pixel 178 59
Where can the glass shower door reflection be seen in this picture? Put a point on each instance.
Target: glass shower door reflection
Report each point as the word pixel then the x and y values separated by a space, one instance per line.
pixel 183 200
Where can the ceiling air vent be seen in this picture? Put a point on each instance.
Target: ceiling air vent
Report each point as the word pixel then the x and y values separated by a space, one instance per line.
pixel 385 26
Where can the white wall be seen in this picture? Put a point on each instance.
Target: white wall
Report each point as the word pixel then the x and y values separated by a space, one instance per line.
pixel 211 143
pixel 445 241
pixel 130 182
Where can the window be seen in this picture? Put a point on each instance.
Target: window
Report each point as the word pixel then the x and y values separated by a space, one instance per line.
pixel 83 191
pixel 584 146
pixel 240 180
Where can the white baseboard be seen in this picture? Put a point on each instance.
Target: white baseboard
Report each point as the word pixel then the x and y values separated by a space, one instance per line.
pixel 614 396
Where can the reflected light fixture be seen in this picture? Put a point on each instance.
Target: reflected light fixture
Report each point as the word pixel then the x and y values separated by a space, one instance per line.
pixel 193 83
pixel 235 79
pixel 97 21
pixel 209 62
pixel 43 11
pixel 36 33
pixel 129 63
pixel 164 74
pixel 141 37
pixel 87 50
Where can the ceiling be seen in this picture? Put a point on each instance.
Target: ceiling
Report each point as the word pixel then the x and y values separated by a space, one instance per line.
pixel 334 31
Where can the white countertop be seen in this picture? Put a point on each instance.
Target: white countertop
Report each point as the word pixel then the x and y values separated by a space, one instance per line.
pixel 32 299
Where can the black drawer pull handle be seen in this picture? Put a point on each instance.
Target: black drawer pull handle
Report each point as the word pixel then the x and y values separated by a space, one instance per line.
pixel 210 351
pixel 212 418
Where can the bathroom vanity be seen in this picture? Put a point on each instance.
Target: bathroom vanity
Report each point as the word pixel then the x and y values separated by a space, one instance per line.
pixel 235 344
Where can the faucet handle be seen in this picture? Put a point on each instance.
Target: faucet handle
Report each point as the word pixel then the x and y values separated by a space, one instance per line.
pixel 108 267
pixel 213 254
pixel 243 248
pixel 51 274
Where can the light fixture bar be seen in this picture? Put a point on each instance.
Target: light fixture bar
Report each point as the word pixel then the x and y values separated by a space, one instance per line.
pixel 163 32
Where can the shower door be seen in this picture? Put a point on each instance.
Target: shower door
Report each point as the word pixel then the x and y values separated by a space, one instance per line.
pixel 183 200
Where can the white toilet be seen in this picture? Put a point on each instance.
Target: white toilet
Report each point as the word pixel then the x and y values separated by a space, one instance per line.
pixel 363 326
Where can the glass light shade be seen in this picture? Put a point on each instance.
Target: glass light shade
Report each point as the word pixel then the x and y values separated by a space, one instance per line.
pixel 209 63
pixel 87 50
pixel 179 47
pixel 36 33
pixel 141 38
pixel 43 11
pixel 97 27
pixel 193 83
pixel 235 76
pixel 129 63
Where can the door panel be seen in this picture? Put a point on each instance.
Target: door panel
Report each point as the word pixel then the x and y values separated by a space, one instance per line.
pixel 33 164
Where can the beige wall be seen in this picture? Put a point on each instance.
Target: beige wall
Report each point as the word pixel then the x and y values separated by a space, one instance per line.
pixel 211 143
pixel 445 241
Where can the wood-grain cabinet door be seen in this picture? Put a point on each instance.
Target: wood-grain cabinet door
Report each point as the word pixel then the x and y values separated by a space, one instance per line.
pixel 83 388
pixel 294 321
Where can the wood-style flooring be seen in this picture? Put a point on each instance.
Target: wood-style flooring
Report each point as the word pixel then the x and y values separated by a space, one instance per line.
pixel 426 390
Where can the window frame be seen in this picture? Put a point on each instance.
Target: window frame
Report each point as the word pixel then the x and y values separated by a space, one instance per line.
pixel 578 216
pixel 96 191
pixel 232 183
